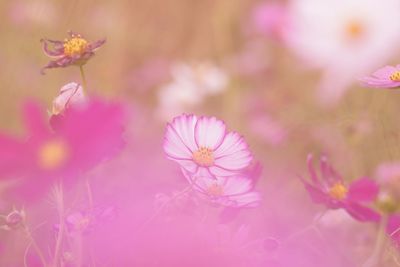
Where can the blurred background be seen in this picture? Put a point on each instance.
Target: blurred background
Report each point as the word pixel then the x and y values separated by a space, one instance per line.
pixel 229 59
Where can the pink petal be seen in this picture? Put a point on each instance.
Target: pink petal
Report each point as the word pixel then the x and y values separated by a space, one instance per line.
pixel 237 185
pixel 179 138
pixel 384 72
pixel 363 189
pixel 361 213
pixel 209 132
pixel 233 153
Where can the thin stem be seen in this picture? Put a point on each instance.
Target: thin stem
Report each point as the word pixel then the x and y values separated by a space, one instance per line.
pixel 90 194
pixel 60 207
pixel 83 78
pixel 375 258
pixel 34 244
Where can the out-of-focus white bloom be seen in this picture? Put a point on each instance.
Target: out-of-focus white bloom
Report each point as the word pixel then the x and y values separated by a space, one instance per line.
pixel 70 94
pixel 346 38
pixel 189 86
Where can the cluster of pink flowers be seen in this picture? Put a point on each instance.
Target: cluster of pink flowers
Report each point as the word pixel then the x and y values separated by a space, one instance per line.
pixel 213 160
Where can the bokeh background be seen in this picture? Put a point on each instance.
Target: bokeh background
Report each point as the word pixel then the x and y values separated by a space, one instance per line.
pixel 269 97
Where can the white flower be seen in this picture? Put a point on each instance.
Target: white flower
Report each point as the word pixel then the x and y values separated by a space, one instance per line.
pixel 189 86
pixel 346 38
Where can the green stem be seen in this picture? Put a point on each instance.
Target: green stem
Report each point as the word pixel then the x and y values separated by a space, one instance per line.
pixel 375 258
pixel 84 84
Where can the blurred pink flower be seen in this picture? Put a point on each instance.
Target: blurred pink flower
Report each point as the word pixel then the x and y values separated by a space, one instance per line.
pixel 70 94
pixel 386 77
pixel 270 18
pixel 84 137
pixel 329 189
pixel 346 39
pixel 73 51
pixel 203 145
pixel 230 191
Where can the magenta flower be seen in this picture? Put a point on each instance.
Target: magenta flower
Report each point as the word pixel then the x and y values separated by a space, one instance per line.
pixel 330 189
pixel 202 145
pixel 85 136
pixel 75 50
pixel 234 191
pixel 386 77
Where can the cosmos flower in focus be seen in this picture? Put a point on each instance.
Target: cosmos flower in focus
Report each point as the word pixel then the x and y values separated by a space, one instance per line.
pixel 85 136
pixel 330 189
pixel 75 50
pixel 203 145
pixel 346 39
pixel 229 191
pixel 386 77
pixel 189 86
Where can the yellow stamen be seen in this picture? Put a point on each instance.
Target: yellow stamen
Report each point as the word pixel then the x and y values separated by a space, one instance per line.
pixel 52 154
pixel 395 76
pixel 338 191
pixel 215 190
pixel 204 157
pixel 75 46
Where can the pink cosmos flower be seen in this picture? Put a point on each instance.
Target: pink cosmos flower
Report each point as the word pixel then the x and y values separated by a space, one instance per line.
pixel 386 77
pixel 203 145
pixel 75 50
pixel 234 191
pixel 85 136
pixel 330 189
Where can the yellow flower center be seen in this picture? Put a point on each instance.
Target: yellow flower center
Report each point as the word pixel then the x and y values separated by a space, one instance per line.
pixel 338 191
pixel 354 30
pixel 204 157
pixel 52 154
pixel 75 46
pixel 215 190
pixel 395 76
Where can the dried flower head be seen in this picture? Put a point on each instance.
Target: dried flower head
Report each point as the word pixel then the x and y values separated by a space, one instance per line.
pixel 75 50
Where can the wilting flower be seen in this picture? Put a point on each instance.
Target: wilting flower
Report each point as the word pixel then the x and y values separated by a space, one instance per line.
pixel 75 50
pixel 14 220
pixel 346 39
pixel 70 94
pixel 189 86
pixel 85 136
pixel 203 145
pixel 386 77
pixel 330 189
pixel 230 191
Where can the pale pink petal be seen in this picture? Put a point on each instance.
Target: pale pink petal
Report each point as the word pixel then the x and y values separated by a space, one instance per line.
pixel 233 153
pixel 184 126
pixel 209 132
pixel 237 185
pixel 174 146
pixel 384 72
pixel 179 138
